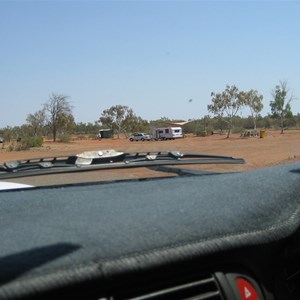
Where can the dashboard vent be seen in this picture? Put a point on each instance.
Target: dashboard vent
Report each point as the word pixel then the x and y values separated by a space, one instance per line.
pixel 203 289
pixel 291 258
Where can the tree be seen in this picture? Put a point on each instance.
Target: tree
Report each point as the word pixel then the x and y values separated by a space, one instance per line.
pixel 280 105
pixel 36 122
pixel 66 123
pixel 254 101
pixel 226 105
pixel 57 108
pixel 87 128
pixel 135 123
pixel 121 119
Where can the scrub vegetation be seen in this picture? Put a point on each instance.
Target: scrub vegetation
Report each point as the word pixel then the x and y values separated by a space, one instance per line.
pixel 55 119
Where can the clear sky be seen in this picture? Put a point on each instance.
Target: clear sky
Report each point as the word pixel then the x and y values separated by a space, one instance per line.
pixel 153 56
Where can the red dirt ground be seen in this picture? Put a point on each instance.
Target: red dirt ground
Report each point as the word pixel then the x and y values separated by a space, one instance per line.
pixel 274 149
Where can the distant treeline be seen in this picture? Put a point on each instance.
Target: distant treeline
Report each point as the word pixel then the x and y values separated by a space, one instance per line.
pixel 197 127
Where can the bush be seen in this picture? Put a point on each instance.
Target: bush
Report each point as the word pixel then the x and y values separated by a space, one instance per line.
pixel 201 133
pixel 93 137
pixel 64 138
pixel 81 137
pixel 10 148
pixel 25 144
pixel 31 142
pixel 237 129
pixel 17 146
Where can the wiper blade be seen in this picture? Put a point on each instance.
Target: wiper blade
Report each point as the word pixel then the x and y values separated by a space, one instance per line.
pixel 85 158
pixel 178 158
pixel 107 160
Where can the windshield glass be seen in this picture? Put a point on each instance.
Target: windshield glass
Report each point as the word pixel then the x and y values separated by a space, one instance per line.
pixel 146 77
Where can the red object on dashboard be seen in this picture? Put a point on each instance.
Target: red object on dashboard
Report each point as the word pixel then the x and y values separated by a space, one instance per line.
pixel 246 289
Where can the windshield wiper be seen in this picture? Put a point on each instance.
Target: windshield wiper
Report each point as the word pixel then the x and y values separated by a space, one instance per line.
pixel 107 160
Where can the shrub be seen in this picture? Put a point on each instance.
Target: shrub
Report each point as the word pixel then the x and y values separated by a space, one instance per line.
pixel 237 129
pixel 81 137
pixel 64 138
pixel 10 148
pixel 93 136
pixel 25 143
pixel 17 146
pixel 33 141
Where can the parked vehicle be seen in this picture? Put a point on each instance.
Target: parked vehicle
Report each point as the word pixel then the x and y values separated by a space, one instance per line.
pixel 140 136
pixel 167 133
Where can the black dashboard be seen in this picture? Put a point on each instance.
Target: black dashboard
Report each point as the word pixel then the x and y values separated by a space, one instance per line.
pixel 224 236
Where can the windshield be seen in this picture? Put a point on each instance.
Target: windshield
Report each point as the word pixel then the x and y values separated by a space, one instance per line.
pixel 195 77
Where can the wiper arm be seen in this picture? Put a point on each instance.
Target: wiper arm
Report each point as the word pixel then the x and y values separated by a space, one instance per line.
pixel 76 160
pixel 107 160
pixel 178 158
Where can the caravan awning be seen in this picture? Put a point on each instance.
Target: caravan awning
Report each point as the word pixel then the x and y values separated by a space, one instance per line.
pixel 176 123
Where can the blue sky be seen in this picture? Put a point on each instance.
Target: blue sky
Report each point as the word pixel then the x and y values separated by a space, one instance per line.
pixel 152 56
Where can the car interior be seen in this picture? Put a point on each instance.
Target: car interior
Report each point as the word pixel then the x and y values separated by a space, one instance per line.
pixel 201 236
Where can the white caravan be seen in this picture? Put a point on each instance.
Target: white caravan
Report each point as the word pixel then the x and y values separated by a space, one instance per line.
pixel 167 133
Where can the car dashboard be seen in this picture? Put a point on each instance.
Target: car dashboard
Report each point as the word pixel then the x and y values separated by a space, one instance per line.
pixel 212 237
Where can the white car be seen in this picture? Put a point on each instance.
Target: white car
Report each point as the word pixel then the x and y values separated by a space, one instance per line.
pixel 140 137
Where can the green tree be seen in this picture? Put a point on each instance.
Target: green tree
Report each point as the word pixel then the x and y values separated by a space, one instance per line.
pixel 135 124
pixel 280 105
pixel 226 105
pixel 36 122
pixel 66 124
pixel 56 110
pixel 10 133
pixel 254 101
pixel 87 128
pixel 297 120
pixel 122 119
